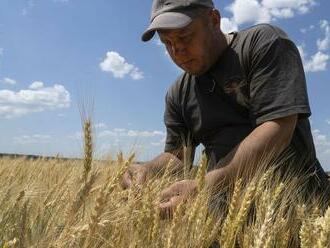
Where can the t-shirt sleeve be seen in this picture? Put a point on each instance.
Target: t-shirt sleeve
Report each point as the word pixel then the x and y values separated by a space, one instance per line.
pixel 176 130
pixel 277 83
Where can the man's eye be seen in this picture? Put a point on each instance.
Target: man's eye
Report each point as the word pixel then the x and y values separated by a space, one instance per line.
pixel 186 38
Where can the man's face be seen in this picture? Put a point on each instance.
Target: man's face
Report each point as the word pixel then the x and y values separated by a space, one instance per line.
pixel 190 47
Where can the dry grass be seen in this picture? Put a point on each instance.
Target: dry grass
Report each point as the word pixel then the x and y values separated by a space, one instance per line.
pixel 79 203
pixel 42 206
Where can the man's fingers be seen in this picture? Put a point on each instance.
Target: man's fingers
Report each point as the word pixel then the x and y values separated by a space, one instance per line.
pixel 167 208
pixel 134 175
pixel 167 204
pixel 126 181
pixel 141 178
pixel 165 195
pixel 168 193
pixel 130 171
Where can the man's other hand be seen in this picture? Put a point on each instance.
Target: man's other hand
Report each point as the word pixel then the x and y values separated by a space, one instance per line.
pixel 137 174
pixel 172 196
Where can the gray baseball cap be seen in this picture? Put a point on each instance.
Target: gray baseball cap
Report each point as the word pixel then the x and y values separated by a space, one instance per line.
pixel 172 14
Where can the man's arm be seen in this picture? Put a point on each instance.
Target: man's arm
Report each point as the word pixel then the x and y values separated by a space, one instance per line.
pixel 141 173
pixel 158 164
pixel 270 137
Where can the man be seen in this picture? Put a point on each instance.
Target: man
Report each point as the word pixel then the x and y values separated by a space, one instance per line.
pixel 242 95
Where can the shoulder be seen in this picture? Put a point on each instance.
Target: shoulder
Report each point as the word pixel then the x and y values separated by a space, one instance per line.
pixel 263 32
pixel 263 40
pixel 258 37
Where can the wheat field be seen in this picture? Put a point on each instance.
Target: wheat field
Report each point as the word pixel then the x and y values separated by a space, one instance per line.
pixel 80 203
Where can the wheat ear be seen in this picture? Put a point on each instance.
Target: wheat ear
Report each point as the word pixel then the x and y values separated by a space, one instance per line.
pixel 232 210
pixel 241 216
pixel 324 240
pixel 88 147
pixel 260 242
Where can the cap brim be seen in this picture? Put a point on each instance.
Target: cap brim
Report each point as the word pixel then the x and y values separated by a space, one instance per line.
pixel 167 20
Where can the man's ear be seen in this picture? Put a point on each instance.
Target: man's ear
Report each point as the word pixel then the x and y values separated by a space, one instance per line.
pixel 215 18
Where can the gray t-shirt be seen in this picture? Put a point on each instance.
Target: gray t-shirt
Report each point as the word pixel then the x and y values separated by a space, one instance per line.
pixel 258 78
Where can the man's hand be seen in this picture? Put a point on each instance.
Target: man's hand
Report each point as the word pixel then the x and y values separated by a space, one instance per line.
pixel 139 174
pixel 172 196
pixel 135 174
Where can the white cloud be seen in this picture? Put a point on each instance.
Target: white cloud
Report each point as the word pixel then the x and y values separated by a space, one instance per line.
pixel 301 6
pixel 323 44
pixel 328 121
pixel 320 139
pixel 129 133
pixel 119 130
pixel 110 141
pixel 133 133
pixel 227 25
pixel 136 74
pixel 10 81
pixel 156 144
pixel 117 65
pixel 258 11
pixel 319 60
pixel 32 139
pixel 1 51
pixel 248 11
pixel 35 99
pixel 107 133
pixel 305 30
pixel 159 143
pixel 315 63
pixel 36 85
pixel 282 13
pixel 322 145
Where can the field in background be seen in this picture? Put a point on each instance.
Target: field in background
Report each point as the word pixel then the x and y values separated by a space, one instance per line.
pixel 80 203
pixel 64 203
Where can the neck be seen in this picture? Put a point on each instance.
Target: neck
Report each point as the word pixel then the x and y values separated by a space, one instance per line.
pixel 220 45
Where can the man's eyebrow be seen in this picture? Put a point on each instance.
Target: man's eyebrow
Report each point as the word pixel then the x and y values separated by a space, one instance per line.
pixel 188 28
pixel 186 32
pixel 182 32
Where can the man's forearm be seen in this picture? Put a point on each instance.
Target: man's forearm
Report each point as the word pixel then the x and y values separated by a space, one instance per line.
pixel 269 138
pixel 158 164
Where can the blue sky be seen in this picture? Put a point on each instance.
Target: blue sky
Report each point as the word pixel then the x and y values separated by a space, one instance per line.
pixel 56 55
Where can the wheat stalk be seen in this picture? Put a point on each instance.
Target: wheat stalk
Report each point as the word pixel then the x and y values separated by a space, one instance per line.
pixel 232 209
pixel 324 239
pixel 200 177
pixel 88 147
pixel 270 214
pixel 242 213
pixel 174 226
pixel 80 197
